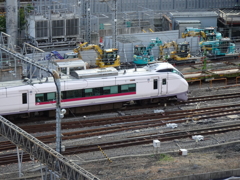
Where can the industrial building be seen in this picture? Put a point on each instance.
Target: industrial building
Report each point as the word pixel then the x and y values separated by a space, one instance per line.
pixel 116 23
pixel 229 22
pixel 64 23
pixel 181 20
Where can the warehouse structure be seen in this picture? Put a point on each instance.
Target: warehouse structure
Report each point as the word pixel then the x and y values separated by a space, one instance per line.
pixel 181 20
pixel 229 22
pixel 62 23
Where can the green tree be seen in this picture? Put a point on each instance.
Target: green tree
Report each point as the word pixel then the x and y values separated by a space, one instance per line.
pixel 2 22
pixel 21 15
pixel 22 19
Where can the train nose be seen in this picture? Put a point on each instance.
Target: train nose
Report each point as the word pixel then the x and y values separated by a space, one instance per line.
pixel 183 96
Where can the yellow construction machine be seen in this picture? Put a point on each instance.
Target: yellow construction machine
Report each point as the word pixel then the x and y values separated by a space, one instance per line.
pixel 194 34
pixel 206 34
pixel 105 57
pixel 180 54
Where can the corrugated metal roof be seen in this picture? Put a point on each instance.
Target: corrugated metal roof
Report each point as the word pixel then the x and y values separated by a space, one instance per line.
pixel 231 11
pixel 188 21
pixel 194 14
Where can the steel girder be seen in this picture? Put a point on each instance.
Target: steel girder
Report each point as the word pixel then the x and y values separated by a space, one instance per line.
pixel 45 154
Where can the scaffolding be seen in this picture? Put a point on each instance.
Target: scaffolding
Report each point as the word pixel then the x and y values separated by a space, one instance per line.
pixel 65 23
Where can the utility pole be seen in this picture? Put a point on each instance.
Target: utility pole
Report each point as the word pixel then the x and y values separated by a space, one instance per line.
pixel 59 112
pixel 113 7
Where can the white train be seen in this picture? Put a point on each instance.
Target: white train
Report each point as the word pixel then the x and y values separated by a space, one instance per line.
pixel 95 90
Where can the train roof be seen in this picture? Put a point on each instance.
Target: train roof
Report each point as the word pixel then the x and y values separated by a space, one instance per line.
pixel 92 74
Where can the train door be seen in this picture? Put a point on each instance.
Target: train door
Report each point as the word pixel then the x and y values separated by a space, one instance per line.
pixel 156 86
pixel 164 85
pixel 24 101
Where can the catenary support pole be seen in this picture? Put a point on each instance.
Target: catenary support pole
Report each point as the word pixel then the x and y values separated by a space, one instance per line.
pixel 58 111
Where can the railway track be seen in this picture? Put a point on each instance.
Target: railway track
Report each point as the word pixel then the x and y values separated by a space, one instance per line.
pixel 214 97
pixel 70 150
pixel 130 123
pixel 166 116
pixel 126 123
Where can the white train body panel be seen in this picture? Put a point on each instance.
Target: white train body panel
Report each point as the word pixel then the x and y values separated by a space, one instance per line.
pixel 145 83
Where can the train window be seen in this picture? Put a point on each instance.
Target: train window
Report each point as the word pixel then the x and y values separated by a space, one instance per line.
pixel 24 98
pixel 171 70
pixel 110 90
pixel 164 81
pixel 96 91
pixel 165 70
pixel 39 97
pixel 114 90
pixel 72 94
pixel 92 92
pixel 88 92
pixel 128 88
pixel 177 72
pixel 51 96
pixel 106 90
pixel 124 88
pixel 155 84
pixel 132 87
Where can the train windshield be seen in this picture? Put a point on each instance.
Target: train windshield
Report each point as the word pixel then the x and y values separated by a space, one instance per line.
pixel 178 72
pixel 171 70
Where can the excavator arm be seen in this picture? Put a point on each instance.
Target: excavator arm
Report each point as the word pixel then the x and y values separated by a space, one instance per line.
pixel 153 43
pixel 78 49
pixel 191 34
pixel 82 47
pixel 202 34
pixel 166 46
pixel 142 54
pixel 105 58
pixel 180 52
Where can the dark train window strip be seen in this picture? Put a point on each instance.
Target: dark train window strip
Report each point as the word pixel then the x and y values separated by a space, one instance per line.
pixel 51 96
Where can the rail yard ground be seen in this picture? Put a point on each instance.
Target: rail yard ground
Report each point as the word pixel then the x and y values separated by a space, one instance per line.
pixel 218 152
pixel 165 165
